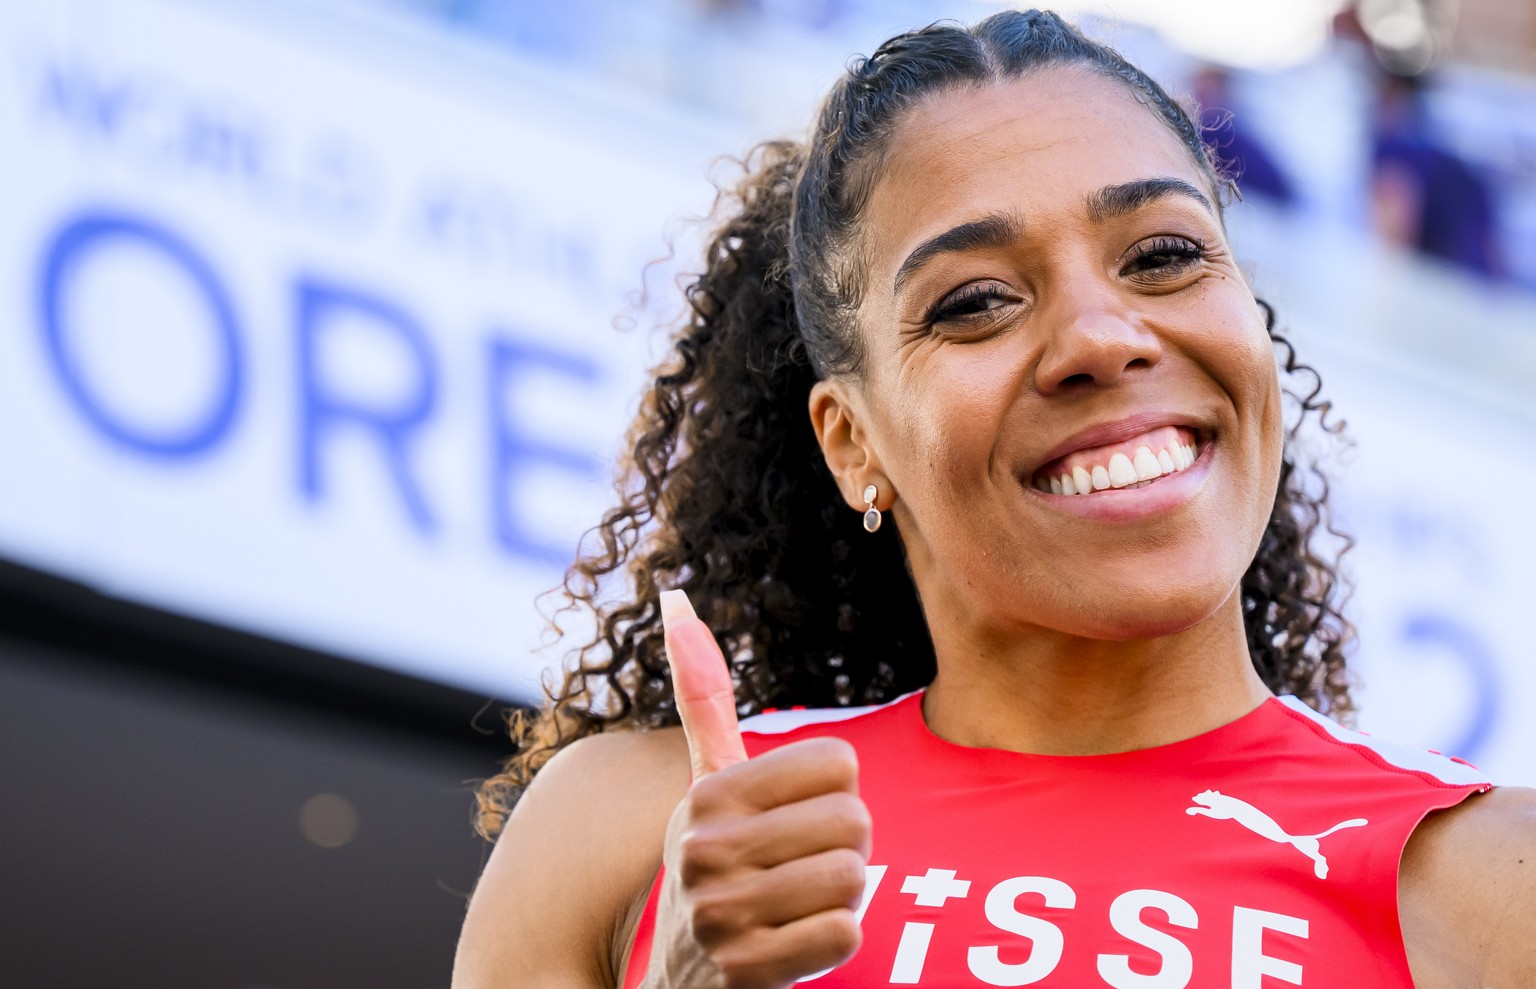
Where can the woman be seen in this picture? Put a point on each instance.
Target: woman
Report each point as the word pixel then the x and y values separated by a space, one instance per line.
pixel 1041 549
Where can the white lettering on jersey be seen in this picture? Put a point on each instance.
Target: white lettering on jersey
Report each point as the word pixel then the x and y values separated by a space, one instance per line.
pixel 1249 962
pixel 911 953
pixel 1045 954
pixel 1214 803
pixel 932 889
pixel 1125 918
pixel 937 888
pixel 872 876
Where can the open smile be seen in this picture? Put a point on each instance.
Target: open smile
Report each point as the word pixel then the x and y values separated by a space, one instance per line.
pixel 1137 461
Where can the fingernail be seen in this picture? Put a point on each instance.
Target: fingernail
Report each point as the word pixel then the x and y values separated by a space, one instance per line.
pixel 675 605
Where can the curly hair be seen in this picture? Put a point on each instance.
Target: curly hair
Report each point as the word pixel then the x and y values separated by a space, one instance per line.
pixel 726 493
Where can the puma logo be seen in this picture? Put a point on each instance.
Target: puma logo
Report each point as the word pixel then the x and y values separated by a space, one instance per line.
pixel 1214 803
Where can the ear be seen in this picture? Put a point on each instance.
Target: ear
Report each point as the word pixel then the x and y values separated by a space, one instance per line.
pixel 837 415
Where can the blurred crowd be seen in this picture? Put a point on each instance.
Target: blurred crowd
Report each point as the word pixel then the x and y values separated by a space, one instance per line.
pixel 1383 127
pixel 1460 190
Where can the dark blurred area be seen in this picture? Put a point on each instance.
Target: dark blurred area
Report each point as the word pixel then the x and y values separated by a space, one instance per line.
pixel 190 806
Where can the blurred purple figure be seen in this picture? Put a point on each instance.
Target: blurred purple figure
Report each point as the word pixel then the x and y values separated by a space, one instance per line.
pixel 1423 195
pixel 1237 153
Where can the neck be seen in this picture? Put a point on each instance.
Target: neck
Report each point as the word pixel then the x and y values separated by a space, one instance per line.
pixel 1055 694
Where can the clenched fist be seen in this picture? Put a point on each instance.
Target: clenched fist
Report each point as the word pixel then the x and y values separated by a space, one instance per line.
pixel 764 859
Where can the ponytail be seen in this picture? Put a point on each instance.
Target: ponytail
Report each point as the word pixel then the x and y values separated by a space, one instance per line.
pixel 725 494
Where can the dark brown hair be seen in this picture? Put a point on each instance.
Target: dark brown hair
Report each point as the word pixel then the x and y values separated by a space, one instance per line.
pixel 726 493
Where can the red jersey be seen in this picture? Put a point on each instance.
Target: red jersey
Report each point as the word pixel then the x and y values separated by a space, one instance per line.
pixel 1258 855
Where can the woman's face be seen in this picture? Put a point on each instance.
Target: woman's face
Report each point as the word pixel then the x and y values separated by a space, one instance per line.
pixel 1050 302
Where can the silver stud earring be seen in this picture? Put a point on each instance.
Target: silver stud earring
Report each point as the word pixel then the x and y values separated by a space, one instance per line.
pixel 871 514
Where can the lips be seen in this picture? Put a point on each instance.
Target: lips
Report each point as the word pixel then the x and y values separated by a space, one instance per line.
pixel 1119 455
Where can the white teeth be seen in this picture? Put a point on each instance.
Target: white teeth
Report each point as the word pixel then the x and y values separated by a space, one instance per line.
pixel 1121 472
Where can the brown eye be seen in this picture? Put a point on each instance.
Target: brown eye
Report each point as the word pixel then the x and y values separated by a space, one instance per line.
pixel 974 304
pixel 1163 257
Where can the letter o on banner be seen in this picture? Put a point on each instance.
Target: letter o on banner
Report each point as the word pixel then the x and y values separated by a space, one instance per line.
pixel 72 245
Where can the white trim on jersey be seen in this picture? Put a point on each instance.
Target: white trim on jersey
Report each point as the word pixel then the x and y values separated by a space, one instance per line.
pixel 1444 769
pixel 779 722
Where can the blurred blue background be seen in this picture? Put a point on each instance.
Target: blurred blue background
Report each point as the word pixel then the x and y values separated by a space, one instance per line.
pixel 323 320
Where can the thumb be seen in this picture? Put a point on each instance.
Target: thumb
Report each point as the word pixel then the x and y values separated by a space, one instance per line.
pixel 701 685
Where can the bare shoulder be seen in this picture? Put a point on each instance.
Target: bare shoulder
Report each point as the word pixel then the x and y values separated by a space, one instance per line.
pixel 1468 892
pixel 562 888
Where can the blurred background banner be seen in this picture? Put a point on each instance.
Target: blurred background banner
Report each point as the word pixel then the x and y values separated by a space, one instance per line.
pixel 310 381
pixel 297 343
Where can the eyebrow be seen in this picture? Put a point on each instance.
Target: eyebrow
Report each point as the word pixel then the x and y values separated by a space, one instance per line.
pixel 992 230
pixel 1114 201
pixel 999 229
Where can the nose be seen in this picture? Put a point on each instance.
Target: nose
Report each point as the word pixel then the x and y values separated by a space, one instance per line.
pixel 1095 338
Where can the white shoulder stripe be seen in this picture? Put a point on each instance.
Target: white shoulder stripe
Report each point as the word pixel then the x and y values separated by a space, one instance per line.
pixel 779 722
pixel 1444 769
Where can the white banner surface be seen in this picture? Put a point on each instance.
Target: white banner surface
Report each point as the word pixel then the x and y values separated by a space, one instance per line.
pixel 294 340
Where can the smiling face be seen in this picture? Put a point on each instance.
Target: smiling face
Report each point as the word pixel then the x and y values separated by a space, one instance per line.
pixel 1050 302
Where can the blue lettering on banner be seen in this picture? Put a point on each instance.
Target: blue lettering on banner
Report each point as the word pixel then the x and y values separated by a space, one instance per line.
pixel 395 423
pixel 85 237
pixel 152 121
pixel 321 410
pixel 513 449
pixel 72 93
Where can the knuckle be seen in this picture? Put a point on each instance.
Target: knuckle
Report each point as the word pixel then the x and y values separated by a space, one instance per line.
pixel 843 869
pixel 839 758
pixel 716 917
pixel 850 816
pixel 738 970
pixel 839 936
pixel 710 794
pixel 702 851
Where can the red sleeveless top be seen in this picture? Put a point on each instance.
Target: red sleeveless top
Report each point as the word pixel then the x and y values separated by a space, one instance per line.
pixel 1258 855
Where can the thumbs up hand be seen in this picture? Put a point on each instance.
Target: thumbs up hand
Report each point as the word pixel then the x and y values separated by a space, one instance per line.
pixel 765 857
pixel 702 688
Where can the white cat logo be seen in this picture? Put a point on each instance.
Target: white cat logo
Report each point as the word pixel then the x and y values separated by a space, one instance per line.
pixel 1214 803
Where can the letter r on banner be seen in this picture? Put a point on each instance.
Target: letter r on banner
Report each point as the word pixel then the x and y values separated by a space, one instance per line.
pixel 323 409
